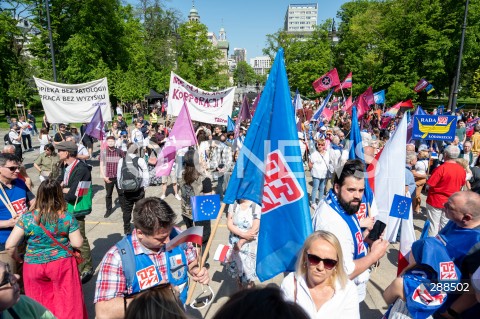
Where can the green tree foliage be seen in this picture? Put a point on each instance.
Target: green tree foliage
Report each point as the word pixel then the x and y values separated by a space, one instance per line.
pixel 198 59
pixel 385 43
pixel 244 74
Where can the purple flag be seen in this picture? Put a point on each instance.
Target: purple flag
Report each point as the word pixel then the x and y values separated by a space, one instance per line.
pixel 243 115
pixel 255 103
pixel 182 135
pixel 95 127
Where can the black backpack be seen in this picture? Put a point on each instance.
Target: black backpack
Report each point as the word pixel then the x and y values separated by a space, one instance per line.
pixel 131 179
pixel 6 139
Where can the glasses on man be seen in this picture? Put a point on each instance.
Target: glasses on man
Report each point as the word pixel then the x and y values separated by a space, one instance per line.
pixel 8 277
pixel 314 260
pixel 204 298
pixel 13 168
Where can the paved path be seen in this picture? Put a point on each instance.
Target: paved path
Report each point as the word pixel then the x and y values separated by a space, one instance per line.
pixel 103 233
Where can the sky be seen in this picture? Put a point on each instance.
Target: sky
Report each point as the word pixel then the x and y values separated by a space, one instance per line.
pixel 247 22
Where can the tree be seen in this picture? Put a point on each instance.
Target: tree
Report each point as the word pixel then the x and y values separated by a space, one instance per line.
pixel 244 74
pixel 198 59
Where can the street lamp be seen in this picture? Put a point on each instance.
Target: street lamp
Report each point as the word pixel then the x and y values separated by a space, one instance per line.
pixel 52 51
pixel 453 102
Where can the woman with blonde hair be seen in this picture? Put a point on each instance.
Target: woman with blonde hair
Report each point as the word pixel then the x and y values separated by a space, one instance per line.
pixel 320 284
pixel 50 271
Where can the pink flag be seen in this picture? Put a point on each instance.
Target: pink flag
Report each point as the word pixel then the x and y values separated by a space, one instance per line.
pixel 255 104
pixel 243 115
pixel 82 188
pixel 182 135
pixel 327 114
pixel 348 105
pixel 327 81
pixel 346 84
pixel 362 105
pixel 191 235
pixel 368 96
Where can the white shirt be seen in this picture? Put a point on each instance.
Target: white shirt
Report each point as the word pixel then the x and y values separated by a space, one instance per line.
pixel 320 165
pixel 25 126
pixel 344 303
pixel 143 171
pixel 421 167
pixel 137 137
pixel 14 137
pixel 325 218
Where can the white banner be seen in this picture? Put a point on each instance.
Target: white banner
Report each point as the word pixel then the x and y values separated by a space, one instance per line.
pixel 204 106
pixel 74 103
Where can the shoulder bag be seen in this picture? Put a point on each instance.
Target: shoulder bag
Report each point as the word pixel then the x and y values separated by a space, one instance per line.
pixel 73 253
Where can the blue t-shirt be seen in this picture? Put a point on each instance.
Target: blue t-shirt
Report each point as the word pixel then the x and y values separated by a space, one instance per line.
pixel 19 195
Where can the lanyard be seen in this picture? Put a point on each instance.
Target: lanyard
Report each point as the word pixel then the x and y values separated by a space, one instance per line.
pixel 71 170
pixel 353 225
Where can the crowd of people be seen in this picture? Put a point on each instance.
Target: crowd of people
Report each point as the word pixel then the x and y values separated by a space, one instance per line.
pixel 42 236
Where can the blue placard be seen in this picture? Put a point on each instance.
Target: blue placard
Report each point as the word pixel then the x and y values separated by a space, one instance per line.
pixel 434 127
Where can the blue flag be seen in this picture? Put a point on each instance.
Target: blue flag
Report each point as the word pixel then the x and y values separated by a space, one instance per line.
pixel 325 102
pixel 230 125
pixel 269 172
pixel 440 109
pixel 401 206
pixel 95 127
pixel 205 207
pixel 356 152
pixel 379 97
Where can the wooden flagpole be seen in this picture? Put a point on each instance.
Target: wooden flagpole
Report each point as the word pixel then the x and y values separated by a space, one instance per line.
pixel 191 290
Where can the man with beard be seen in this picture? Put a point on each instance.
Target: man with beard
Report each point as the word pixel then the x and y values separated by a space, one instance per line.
pixel 336 214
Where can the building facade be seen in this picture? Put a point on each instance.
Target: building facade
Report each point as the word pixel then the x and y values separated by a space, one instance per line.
pixel 301 18
pixel 261 65
pixel 239 54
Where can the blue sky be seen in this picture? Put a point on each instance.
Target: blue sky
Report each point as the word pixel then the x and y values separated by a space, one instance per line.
pixel 247 22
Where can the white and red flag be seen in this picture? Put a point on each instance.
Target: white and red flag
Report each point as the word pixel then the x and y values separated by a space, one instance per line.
pixel 191 235
pixel 82 188
pixel 326 81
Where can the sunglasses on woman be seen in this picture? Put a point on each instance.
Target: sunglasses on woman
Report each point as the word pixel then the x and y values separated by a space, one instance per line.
pixel 314 260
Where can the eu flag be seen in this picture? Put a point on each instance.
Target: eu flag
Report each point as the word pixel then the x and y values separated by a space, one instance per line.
pixel 205 207
pixel 269 172
pixel 400 206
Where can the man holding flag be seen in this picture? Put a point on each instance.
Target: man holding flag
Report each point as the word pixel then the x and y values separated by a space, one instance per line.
pixel 156 252
pixel 337 214
pixel 73 174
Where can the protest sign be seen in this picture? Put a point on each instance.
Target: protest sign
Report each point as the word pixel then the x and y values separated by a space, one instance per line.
pixel 204 106
pixel 434 127
pixel 74 103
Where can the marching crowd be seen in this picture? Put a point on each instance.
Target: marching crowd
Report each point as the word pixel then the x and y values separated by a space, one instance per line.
pixel 42 236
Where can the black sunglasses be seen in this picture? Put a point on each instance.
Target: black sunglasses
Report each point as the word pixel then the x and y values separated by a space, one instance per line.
pixel 8 277
pixel 314 260
pixel 13 168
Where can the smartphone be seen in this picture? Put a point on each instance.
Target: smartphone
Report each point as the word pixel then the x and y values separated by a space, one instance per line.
pixel 377 230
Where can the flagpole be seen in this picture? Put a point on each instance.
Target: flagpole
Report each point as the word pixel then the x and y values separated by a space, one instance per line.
pixel 191 290
pixel 76 201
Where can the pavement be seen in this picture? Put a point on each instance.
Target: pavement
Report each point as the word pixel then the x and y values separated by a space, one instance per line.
pixel 103 233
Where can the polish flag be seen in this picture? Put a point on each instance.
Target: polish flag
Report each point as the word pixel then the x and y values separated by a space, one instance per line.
pixel 222 253
pixel 191 235
pixel 82 188
pixel 387 181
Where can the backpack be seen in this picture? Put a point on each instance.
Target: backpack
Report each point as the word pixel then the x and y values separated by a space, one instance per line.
pixel 6 139
pixel 131 180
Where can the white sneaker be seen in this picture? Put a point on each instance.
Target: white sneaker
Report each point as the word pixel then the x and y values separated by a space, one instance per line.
pixel 162 197
pixel 178 197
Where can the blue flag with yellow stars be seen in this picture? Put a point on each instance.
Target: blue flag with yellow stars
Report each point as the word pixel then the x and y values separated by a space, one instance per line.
pixel 400 206
pixel 205 207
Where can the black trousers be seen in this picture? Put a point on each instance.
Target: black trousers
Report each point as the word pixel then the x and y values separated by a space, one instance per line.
pixel 26 138
pixel 18 151
pixel 129 200
pixel 109 189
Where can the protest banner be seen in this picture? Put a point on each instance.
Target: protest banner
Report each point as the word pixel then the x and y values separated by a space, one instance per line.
pixel 204 106
pixel 434 127
pixel 74 103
